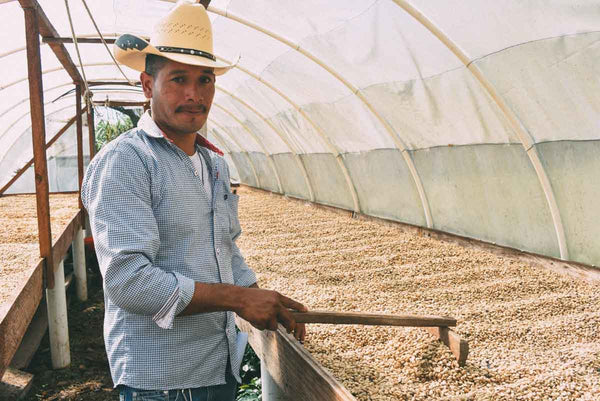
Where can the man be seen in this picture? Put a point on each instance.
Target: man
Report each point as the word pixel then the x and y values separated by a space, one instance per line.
pixel 165 222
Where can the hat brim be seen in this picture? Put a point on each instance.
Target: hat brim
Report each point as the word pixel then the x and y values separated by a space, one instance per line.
pixel 131 51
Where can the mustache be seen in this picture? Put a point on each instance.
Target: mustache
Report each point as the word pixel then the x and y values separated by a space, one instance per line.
pixel 197 108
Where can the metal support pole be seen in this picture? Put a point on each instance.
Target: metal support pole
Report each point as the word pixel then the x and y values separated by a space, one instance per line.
pixel 38 133
pixel 270 389
pixel 58 327
pixel 79 265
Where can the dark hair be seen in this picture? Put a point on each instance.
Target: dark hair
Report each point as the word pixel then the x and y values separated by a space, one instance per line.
pixel 154 63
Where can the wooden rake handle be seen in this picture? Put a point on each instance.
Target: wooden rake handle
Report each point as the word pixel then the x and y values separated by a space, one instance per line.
pixel 372 319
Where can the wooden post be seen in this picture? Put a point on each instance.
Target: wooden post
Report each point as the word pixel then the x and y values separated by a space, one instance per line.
pixel 92 142
pixel 91 129
pixel 58 327
pixel 79 265
pixel 30 162
pixel 38 132
pixel 48 31
pixel 79 140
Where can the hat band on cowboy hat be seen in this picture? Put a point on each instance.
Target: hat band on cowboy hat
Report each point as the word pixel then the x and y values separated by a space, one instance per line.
pixel 182 50
pixel 183 35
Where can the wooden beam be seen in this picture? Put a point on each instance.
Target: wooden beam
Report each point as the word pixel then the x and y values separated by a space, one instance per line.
pixel 30 162
pixel 113 82
pixel 372 319
pixel 79 126
pixel 51 193
pixel 91 131
pixel 47 30
pixel 15 384
pixel 15 320
pixel 14 323
pixel 53 40
pixel 292 367
pixel 38 132
pixel 458 346
pixel 62 244
pixel 120 103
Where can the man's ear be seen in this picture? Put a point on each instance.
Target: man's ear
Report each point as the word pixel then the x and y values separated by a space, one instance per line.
pixel 147 81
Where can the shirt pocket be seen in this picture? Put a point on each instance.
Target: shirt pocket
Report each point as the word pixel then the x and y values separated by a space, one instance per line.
pixel 232 201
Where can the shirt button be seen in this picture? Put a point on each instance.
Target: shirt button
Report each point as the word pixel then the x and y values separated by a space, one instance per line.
pixel 196 173
pixel 218 251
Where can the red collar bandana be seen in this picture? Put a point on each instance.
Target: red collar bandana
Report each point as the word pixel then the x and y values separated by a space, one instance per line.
pixel 200 140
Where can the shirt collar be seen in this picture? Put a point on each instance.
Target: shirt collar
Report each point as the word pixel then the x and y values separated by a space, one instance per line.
pixel 148 125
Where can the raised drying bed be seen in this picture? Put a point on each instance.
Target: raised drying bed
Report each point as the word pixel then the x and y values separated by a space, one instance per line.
pixel 533 333
pixel 21 286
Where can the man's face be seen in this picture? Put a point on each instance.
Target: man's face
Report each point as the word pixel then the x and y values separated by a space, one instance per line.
pixel 181 96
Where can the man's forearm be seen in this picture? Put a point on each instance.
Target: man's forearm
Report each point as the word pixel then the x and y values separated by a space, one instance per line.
pixel 264 309
pixel 214 298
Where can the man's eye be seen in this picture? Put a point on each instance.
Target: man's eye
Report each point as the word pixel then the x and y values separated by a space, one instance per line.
pixel 178 80
pixel 206 80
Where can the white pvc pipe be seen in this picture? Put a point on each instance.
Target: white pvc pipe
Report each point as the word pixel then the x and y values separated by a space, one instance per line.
pixel 270 389
pixel 398 142
pixel 526 140
pixel 52 88
pixel 258 141
pixel 281 136
pixel 226 148
pixel 18 119
pixel 241 149
pixel 58 327
pixel 332 148
pixel 27 98
pixel 55 69
pixel 79 265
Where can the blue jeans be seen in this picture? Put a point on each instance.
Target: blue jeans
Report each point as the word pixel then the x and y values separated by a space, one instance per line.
pixel 223 392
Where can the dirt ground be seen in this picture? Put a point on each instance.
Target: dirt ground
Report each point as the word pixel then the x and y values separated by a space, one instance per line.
pixel 88 377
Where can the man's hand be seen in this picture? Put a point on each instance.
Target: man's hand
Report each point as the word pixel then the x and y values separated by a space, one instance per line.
pixel 264 309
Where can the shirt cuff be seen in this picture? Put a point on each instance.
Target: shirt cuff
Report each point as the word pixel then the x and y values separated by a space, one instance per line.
pixel 177 302
pixel 247 279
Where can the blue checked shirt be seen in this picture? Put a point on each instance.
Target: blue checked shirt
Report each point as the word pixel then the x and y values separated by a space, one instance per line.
pixel 156 232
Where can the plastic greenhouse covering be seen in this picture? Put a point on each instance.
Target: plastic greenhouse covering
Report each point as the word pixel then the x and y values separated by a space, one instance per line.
pixel 474 117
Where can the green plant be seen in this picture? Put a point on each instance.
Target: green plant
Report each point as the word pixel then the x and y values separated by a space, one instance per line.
pixel 250 389
pixel 106 130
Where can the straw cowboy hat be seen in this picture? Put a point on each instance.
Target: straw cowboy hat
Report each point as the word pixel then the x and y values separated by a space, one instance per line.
pixel 183 35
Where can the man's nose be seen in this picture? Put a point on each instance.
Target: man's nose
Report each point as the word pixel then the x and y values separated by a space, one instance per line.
pixel 194 93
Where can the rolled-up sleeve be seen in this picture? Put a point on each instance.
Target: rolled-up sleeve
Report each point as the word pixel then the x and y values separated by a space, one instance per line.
pixel 118 197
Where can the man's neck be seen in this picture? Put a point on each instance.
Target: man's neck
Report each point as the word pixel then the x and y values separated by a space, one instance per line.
pixel 185 142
